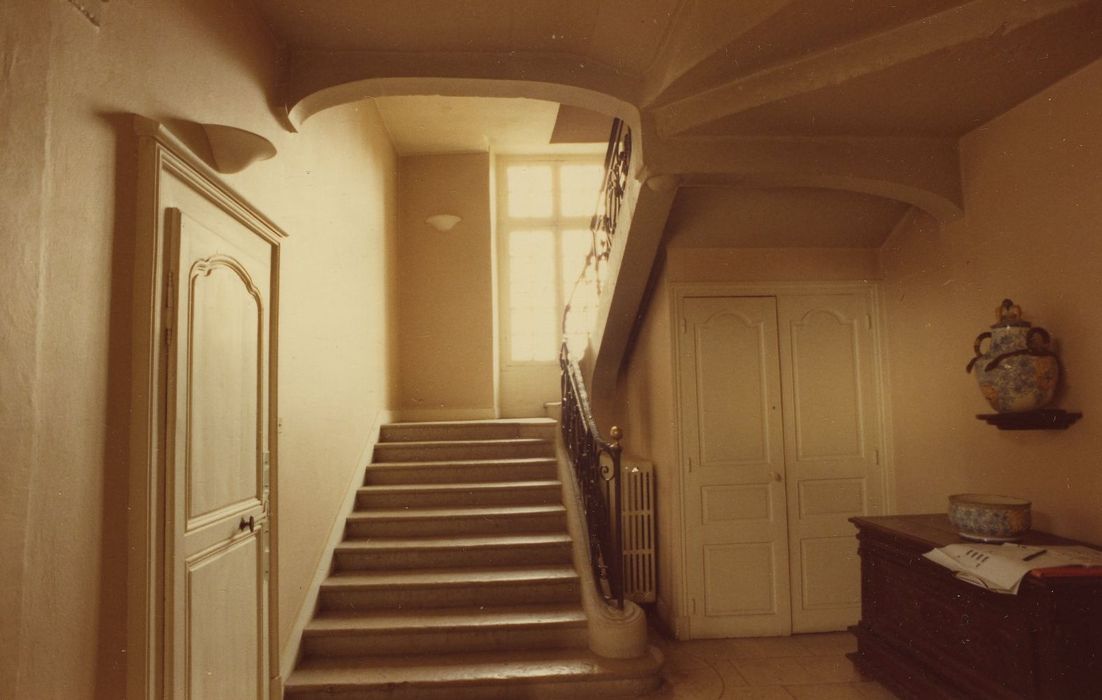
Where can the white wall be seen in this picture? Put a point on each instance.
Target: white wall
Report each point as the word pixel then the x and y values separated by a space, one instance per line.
pixel 66 169
pixel 446 289
pixel 1031 232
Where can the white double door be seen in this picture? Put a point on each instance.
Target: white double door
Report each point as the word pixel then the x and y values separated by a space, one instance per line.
pixel 780 429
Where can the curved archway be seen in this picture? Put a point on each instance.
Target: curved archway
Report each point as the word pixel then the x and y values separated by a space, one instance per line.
pixel 343 93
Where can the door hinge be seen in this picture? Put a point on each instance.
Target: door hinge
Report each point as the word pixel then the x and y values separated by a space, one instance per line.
pixel 684 325
pixel 876 456
pixel 168 335
pixel 692 606
pixel 868 322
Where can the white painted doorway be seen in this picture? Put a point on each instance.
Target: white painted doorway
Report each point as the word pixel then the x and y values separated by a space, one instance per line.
pixel 203 503
pixel 780 407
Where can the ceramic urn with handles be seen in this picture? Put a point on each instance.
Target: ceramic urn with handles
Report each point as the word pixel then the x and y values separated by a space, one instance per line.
pixel 1019 370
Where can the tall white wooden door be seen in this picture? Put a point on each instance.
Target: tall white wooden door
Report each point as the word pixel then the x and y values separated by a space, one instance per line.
pixel 736 535
pixel 832 439
pixel 219 366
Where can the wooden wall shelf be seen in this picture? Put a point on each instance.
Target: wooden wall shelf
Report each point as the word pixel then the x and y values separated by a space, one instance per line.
pixel 1043 419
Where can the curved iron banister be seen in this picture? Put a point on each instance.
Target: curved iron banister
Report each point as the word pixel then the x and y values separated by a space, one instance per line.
pixel 596 463
pixel 596 460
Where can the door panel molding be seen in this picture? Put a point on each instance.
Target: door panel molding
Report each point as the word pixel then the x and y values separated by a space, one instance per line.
pixel 169 174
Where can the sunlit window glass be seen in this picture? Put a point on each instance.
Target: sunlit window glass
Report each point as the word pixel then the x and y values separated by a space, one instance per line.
pixel 533 301
pixel 529 191
pixel 575 245
pixel 579 185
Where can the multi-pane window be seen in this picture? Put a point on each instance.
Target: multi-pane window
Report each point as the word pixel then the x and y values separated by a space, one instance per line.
pixel 545 239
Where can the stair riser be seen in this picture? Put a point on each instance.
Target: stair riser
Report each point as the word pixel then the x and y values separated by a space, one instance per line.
pixel 544 690
pixel 436 527
pixel 391 642
pixel 422 433
pixel 460 498
pixel 461 474
pixel 474 557
pixel 565 591
pixel 399 452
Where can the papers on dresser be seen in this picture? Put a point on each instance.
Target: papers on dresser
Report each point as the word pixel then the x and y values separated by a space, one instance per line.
pixel 1001 567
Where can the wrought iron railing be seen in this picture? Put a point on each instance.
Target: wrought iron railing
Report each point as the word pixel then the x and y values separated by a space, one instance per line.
pixel 581 307
pixel 596 460
pixel 596 463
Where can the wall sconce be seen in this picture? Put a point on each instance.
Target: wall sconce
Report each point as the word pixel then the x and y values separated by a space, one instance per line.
pixel 443 222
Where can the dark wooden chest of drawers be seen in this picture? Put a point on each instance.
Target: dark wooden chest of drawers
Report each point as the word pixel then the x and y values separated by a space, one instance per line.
pixel 925 634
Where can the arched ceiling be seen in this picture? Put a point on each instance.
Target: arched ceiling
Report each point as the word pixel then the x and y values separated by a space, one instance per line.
pixel 865 96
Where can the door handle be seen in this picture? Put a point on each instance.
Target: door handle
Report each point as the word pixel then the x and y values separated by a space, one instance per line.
pixel 777 477
pixel 250 523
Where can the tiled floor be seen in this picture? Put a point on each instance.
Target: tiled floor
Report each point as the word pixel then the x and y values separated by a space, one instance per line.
pixel 765 668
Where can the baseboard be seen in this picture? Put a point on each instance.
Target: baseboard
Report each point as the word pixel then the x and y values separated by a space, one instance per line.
pixel 289 657
pixel 419 415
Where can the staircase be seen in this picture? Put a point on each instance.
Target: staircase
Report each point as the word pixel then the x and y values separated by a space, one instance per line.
pixel 456 579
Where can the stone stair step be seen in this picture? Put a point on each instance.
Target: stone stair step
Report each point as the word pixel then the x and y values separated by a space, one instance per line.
pixel 425 522
pixel 468 430
pixel 462 450
pixel 461 471
pixel 544 491
pixel 434 552
pixel 443 588
pixel 548 675
pixel 446 630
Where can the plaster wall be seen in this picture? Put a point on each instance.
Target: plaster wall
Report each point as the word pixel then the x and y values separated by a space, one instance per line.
pixel 648 415
pixel 771 264
pixel 1030 233
pixel 67 171
pixel 446 289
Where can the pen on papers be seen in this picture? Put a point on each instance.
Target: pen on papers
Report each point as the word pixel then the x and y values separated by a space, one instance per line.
pixel 1036 554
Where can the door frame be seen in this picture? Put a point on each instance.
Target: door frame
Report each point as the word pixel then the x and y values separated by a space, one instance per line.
pixel 678 292
pixel 161 155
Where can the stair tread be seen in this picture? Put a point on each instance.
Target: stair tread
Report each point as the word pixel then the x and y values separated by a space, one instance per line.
pixel 472 486
pixel 451 512
pixel 462 542
pixel 482 462
pixel 469 423
pixel 439 619
pixel 450 576
pixel 469 668
pixel 413 444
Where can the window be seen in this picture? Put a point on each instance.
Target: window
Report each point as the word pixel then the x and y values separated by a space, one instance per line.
pixel 545 239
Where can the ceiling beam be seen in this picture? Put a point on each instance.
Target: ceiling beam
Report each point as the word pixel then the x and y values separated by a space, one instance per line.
pixel 699 29
pixel 318 80
pixel 923 172
pixel 972 21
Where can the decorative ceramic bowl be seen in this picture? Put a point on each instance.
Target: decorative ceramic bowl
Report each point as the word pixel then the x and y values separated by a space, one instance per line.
pixel 988 518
